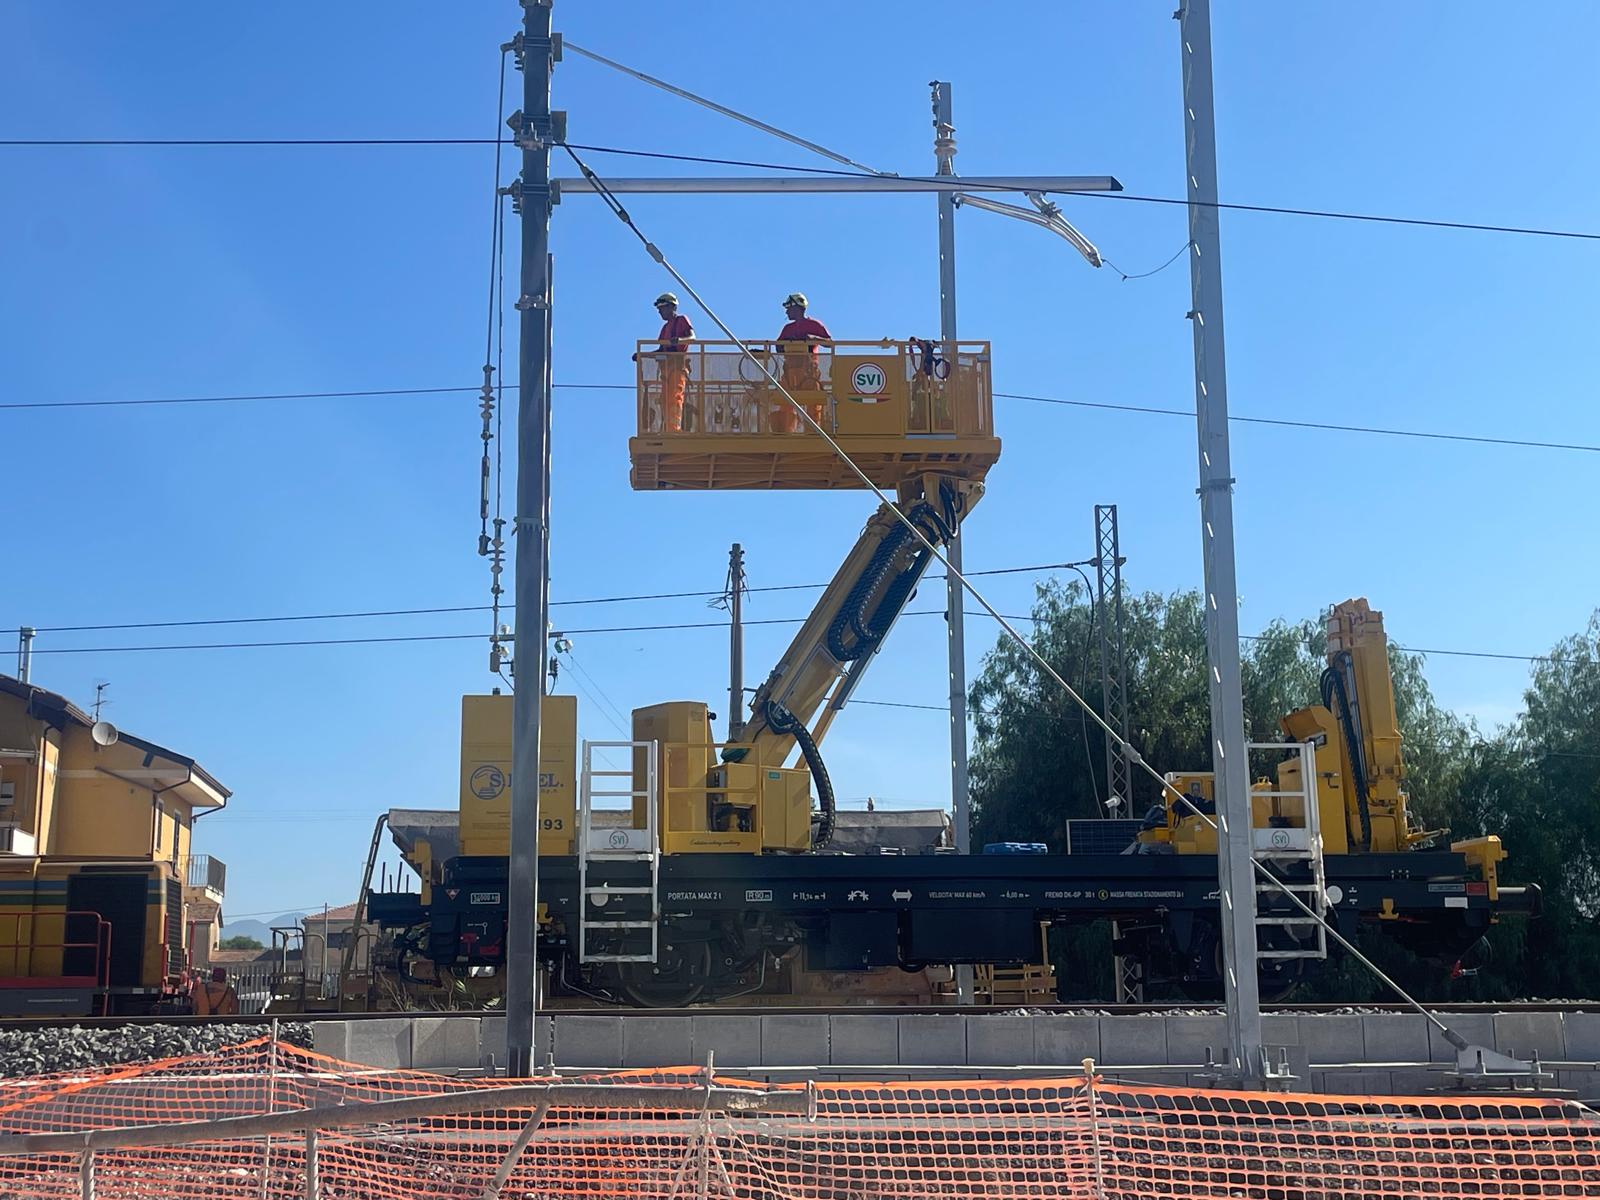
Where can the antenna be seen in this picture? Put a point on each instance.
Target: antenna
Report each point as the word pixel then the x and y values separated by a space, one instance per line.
pixel 100 697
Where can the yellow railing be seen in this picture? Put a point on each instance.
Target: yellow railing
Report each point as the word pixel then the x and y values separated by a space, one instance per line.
pixel 893 389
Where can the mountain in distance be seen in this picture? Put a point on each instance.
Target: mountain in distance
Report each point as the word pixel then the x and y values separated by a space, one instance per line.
pixel 261 930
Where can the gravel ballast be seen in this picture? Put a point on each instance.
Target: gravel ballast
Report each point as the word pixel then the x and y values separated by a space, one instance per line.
pixel 45 1051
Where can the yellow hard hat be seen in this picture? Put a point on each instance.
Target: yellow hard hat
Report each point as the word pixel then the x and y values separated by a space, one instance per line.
pixel 666 298
pixel 795 298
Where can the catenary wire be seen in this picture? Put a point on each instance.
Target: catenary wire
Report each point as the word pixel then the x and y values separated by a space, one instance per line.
pixel 477 608
pixel 451 637
pixel 568 631
pixel 1424 434
pixel 1127 197
pixel 1321 425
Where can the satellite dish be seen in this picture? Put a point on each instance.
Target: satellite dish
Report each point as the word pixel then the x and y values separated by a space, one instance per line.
pixel 104 733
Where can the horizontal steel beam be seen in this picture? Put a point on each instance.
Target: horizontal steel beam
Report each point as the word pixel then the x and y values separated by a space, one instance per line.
pixel 694 1099
pixel 759 184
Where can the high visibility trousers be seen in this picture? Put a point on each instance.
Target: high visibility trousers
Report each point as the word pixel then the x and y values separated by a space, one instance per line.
pixel 674 386
pixel 799 376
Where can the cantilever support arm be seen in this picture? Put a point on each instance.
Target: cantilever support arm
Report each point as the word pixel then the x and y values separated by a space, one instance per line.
pixel 1048 217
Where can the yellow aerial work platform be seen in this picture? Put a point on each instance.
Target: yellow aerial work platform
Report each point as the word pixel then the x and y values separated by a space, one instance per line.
pixel 708 417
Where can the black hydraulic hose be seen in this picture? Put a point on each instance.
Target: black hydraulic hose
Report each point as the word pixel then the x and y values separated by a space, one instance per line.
pixel 869 630
pixel 1332 685
pixel 785 722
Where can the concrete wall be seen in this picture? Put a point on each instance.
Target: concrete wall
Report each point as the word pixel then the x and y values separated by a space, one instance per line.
pixel 1386 1053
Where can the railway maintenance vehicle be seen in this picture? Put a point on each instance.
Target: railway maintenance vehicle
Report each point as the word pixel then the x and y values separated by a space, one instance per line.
pixel 719 867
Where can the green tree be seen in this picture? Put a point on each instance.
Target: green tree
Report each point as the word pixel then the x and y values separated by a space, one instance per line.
pixel 240 942
pixel 1537 786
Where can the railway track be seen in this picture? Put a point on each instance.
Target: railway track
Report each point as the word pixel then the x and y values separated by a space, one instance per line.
pixel 1114 1010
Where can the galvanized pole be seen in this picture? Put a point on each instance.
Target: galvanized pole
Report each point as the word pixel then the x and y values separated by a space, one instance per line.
pixel 944 153
pixel 1236 876
pixel 25 637
pixel 532 578
pixel 736 643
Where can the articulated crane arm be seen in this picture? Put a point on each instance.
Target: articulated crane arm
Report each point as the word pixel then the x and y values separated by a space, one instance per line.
pixel 816 676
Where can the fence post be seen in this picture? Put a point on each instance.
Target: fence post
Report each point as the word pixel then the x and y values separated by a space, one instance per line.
pixel 1094 1129
pixel 705 1131
pixel 272 1103
pixel 86 1175
pixel 311 1164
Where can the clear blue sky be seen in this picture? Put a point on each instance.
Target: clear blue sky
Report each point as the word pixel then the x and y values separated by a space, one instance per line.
pixel 136 273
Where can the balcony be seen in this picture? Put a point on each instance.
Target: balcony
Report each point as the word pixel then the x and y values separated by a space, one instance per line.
pixel 205 873
pixel 710 417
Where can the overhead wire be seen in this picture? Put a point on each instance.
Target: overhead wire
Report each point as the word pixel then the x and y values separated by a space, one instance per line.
pixel 1126 197
pixel 451 637
pixel 1328 426
pixel 1176 254
pixel 602 629
pixel 744 118
pixel 474 608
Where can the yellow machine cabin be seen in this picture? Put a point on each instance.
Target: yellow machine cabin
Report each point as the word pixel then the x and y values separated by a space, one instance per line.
pixel 1354 738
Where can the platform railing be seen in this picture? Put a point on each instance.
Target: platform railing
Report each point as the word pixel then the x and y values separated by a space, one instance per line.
pixel 29 950
pixel 887 388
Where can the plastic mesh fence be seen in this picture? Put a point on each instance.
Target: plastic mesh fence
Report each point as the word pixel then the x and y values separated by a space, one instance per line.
pixel 894 1141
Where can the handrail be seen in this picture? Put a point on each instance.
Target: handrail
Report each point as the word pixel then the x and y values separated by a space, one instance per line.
pixel 101 945
pixel 885 388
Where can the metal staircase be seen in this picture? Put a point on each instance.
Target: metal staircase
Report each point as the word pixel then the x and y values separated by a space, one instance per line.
pixel 627 911
pixel 1293 853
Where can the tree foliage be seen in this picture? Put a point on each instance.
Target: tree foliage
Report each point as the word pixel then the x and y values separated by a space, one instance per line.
pixel 240 942
pixel 1039 762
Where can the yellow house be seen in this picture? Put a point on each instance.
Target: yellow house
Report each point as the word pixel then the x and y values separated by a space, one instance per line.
pixel 100 896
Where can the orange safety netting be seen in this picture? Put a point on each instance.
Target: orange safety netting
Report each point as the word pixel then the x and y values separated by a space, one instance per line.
pixel 868 1141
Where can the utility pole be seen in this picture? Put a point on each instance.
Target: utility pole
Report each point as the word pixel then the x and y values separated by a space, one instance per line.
pixel 944 153
pixel 25 637
pixel 736 642
pixel 533 130
pixel 1235 866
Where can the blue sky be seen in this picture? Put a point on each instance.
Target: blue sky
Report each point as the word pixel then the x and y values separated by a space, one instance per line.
pixel 136 273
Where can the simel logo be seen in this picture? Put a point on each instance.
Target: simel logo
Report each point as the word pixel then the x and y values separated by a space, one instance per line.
pixel 618 839
pixel 487 782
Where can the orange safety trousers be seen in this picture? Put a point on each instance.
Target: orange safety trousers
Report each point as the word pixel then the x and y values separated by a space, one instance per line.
pixel 674 386
pixel 799 375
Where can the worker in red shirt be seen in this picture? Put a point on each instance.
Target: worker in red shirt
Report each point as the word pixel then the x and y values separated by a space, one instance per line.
pixel 672 354
pixel 797 340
